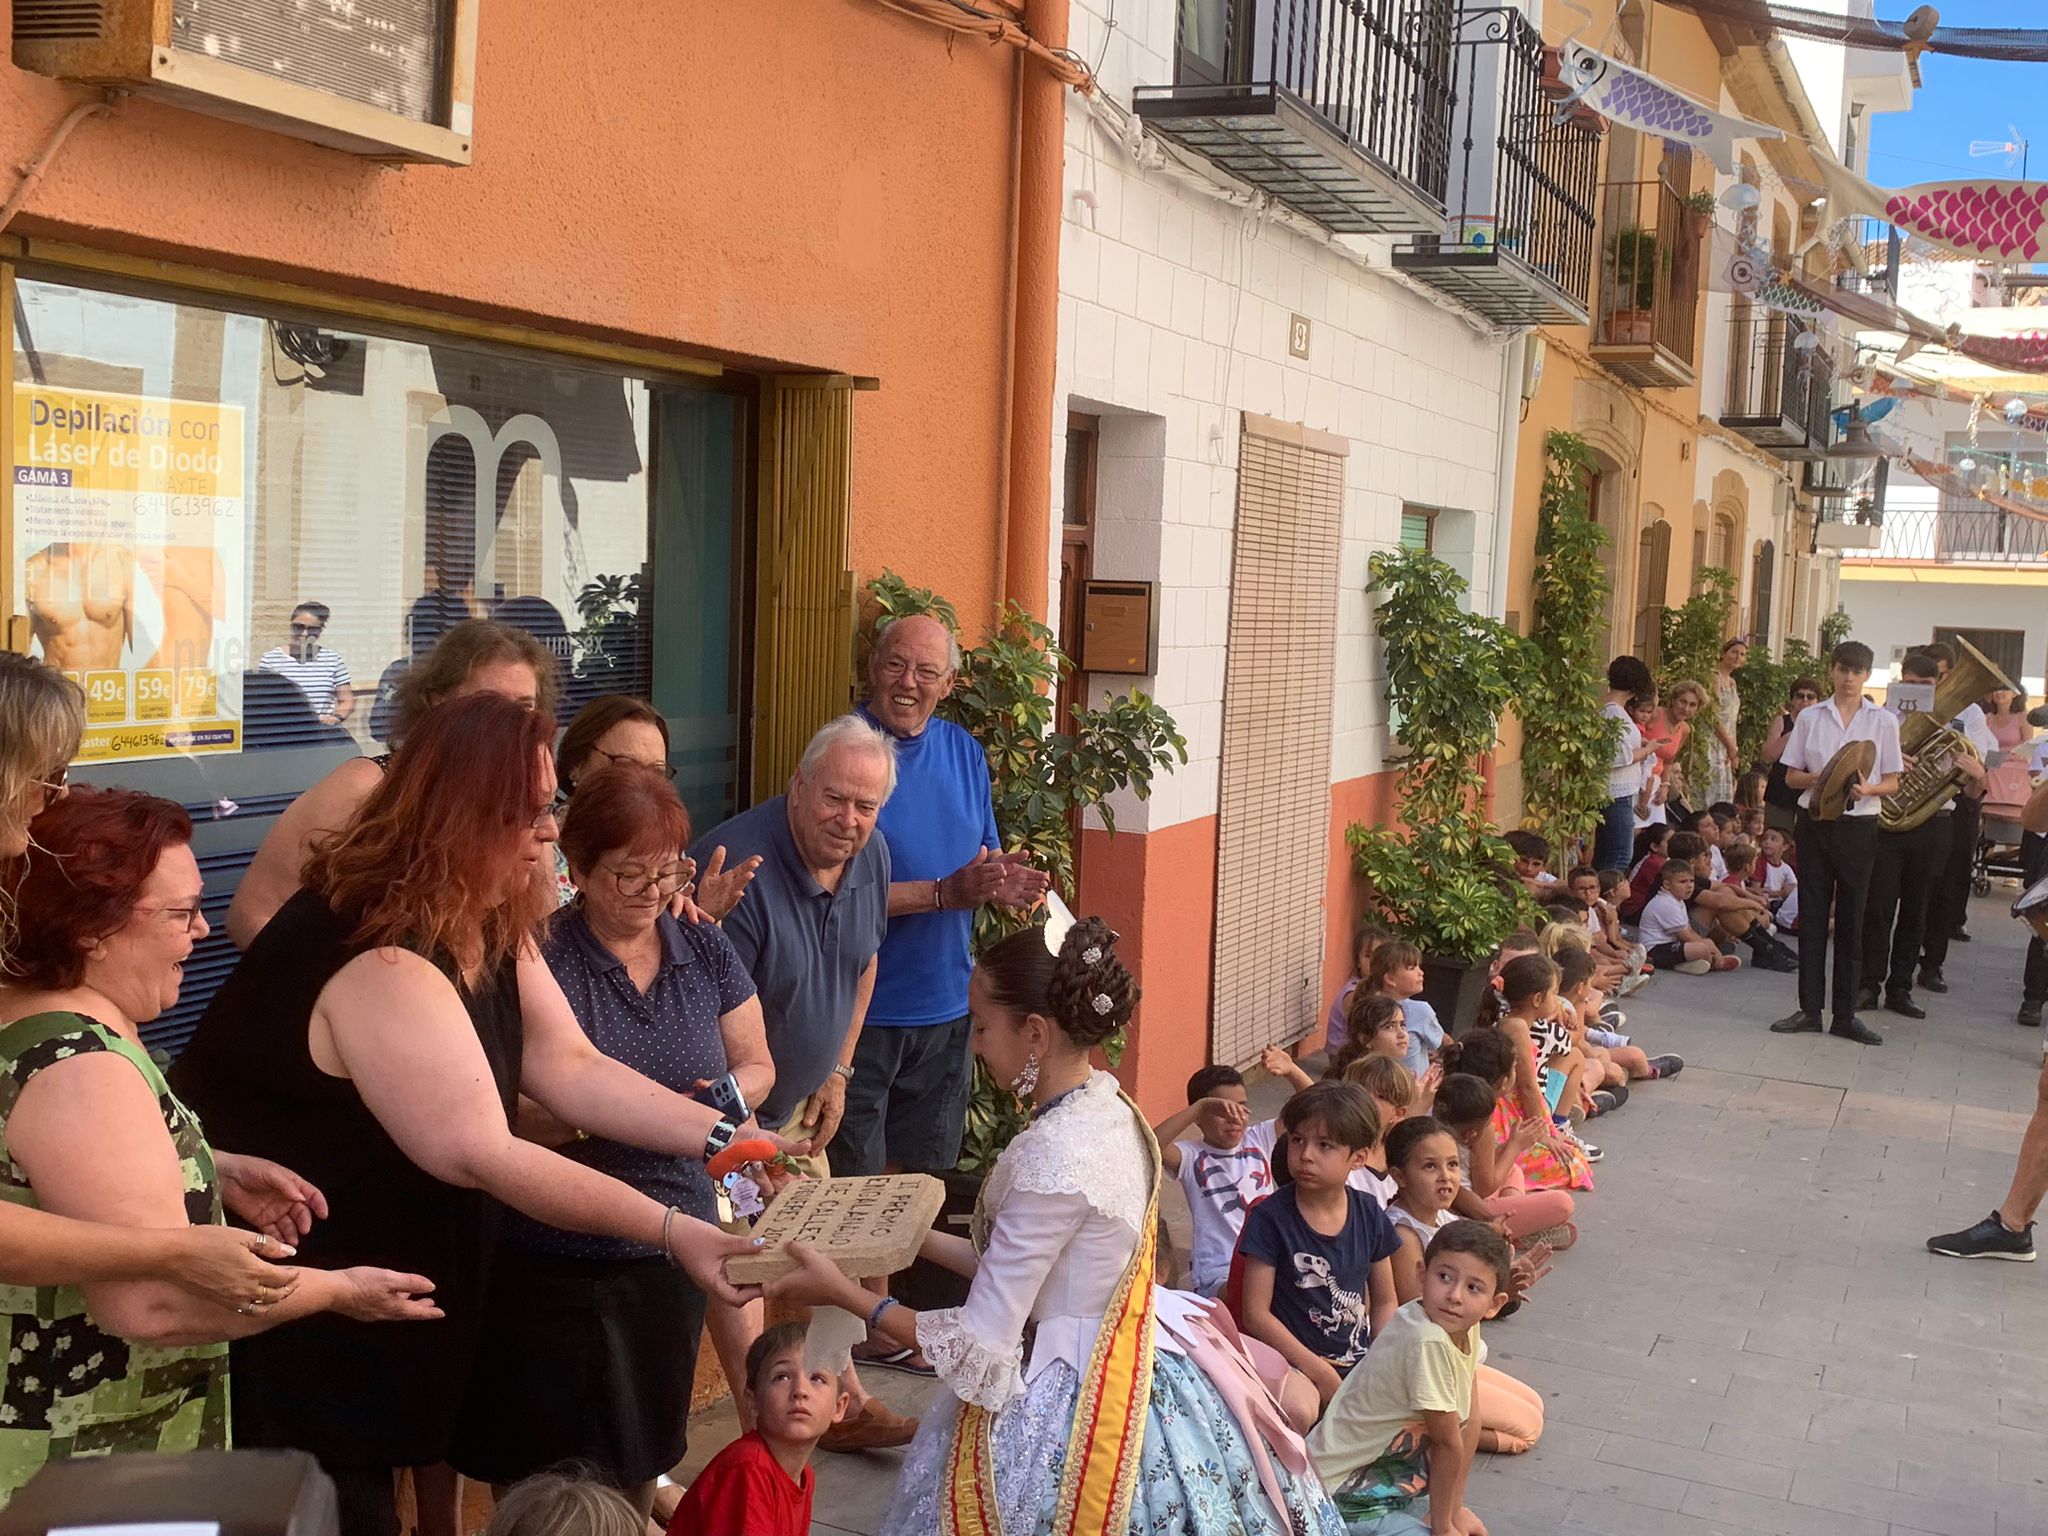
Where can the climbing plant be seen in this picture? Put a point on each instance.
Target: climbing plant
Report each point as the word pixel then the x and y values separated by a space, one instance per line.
pixel 1440 878
pixel 1567 744
pixel 1692 637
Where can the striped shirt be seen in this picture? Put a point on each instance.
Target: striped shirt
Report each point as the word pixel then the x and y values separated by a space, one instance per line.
pixel 319 679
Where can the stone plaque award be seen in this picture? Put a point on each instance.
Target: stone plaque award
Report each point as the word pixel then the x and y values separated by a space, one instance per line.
pixel 865 1226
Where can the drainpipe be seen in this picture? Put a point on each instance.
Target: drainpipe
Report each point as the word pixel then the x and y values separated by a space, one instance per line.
pixel 1034 309
pixel 1511 363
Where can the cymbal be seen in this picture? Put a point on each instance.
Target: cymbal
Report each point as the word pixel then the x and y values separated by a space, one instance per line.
pixel 1838 780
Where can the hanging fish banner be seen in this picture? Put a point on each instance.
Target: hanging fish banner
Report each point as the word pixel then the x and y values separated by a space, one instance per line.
pixel 1625 95
pixel 2021 352
pixel 1992 220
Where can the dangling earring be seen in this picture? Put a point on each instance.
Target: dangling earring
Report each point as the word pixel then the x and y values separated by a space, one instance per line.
pixel 1026 1081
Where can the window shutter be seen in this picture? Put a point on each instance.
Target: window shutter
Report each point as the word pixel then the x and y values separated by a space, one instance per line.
pixel 1274 793
pixel 1415 529
pixel 803 638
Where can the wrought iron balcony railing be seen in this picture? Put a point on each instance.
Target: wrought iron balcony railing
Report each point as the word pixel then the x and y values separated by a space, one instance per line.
pixel 1779 384
pixel 1651 271
pixel 1516 244
pixel 1340 109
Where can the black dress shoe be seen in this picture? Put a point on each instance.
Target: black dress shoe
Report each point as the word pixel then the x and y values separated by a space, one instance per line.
pixel 1853 1028
pixel 1797 1024
pixel 2030 1012
pixel 1960 936
pixel 1902 1003
pixel 1867 998
pixel 1931 979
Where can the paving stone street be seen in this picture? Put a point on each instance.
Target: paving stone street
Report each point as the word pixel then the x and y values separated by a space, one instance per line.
pixel 1750 1336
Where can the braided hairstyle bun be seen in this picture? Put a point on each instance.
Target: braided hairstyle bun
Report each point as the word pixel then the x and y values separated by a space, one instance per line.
pixel 1084 989
pixel 1091 994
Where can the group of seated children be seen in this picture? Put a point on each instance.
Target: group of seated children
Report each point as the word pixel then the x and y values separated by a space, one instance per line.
pixel 1363 1234
pixel 1692 902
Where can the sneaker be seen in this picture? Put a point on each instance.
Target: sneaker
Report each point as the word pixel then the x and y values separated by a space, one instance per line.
pixel 1931 979
pixel 1991 1238
pixel 1607 1100
pixel 2030 1012
pixel 1666 1066
pixel 1638 957
pixel 1559 1237
pixel 1696 967
pixel 1731 963
pixel 1630 985
pixel 1593 1153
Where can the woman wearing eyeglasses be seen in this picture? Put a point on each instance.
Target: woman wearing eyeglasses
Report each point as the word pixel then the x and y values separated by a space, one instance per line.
pixel 376 1035
pixel 616 728
pixel 590 1344
pixel 1781 802
pixel 42 719
pixel 107 904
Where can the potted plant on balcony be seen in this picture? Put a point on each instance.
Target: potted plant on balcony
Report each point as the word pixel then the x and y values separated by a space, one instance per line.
pixel 1698 216
pixel 1633 257
pixel 1441 879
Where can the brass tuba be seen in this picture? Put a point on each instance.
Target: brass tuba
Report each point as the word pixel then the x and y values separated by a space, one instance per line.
pixel 1935 746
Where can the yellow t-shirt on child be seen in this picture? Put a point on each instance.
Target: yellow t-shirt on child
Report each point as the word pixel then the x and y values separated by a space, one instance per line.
pixel 1370 1448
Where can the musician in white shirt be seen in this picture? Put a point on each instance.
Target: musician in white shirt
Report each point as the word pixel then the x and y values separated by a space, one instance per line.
pixel 1949 906
pixel 1836 857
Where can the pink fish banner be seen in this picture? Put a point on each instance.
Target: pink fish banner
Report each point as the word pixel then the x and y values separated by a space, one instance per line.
pixel 1991 220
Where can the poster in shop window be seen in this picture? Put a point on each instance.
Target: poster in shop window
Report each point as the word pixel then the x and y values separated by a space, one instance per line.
pixel 129 514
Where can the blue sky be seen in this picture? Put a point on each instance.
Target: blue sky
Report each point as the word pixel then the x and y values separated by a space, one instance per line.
pixel 1961 100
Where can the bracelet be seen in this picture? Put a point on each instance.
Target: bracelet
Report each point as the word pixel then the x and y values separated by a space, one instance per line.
pixel 881 1306
pixel 841 1069
pixel 668 1218
pixel 938 895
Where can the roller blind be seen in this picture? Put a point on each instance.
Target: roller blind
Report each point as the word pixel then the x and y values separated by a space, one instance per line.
pixel 804 587
pixel 1274 797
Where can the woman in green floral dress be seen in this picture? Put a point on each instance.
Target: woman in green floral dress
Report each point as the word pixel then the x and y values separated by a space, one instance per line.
pixel 106 903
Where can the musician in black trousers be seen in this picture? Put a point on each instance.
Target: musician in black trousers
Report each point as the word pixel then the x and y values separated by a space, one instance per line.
pixel 1836 857
pixel 1909 866
pixel 1949 907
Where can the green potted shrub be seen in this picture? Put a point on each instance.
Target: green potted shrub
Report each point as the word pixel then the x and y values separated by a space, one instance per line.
pixel 1698 216
pixel 1441 878
pixel 1633 262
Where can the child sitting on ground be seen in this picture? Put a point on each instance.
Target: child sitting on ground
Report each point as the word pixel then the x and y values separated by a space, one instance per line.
pixel 1394 1094
pixel 1317 1283
pixel 1667 930
pixel 1397 971
pixel 1575 986
pixel 1532 861
pixel 1653 846
pixel 1424 1157
pixel 1224 1172
pixel 762 1483
pixel 1725 913
pixel 1772 874
pixel 1612 951
pixel 1378 1027
pixel 1395 1448
pixel 1741 859
pixel 1467 1103
pixel 551 1504
pixel 1526 1012
pixel 1367 938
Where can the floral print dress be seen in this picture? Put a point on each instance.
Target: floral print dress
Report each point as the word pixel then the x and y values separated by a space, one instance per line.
pixel 68 1388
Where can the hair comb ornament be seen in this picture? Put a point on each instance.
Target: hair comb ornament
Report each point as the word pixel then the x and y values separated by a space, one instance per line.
pixel 1101 1002
pixel 1092 955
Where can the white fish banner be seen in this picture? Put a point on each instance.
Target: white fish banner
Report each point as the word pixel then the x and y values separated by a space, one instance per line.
pixel 1623 94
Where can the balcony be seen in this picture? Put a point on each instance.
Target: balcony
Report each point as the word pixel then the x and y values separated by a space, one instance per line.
pixel 1650 277
pixel 1778 394
pixel 1340 109
pixel 1516 242
pixel 1962 531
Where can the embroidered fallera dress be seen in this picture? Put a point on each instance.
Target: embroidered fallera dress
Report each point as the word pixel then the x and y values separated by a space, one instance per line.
pixel 68 1388
pixel 1061 1217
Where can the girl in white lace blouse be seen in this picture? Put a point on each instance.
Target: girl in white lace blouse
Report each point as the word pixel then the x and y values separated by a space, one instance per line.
pixel 1081 1396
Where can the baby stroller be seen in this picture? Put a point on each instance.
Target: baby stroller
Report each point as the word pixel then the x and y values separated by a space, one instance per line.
pixel 1998 842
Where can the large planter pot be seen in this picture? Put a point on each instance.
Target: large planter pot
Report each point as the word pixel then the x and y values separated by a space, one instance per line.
pixel 1629 327
pixel 1454 989
pixel 926 1286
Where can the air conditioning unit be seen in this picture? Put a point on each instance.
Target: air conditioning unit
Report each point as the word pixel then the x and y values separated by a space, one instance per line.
pixel 386 79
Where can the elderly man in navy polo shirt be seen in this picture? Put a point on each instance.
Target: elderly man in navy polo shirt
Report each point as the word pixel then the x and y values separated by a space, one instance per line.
pixel 808 933
pixel 906 1107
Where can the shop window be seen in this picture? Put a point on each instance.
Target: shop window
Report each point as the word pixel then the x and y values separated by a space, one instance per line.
pixel 186 477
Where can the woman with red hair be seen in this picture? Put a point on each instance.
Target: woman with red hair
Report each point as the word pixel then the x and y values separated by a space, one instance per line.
pixel 106 897
pixel 591 1342
pixel 376 1035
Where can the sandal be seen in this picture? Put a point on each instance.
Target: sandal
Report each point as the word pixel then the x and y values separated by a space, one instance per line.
pixel 905 1359
pixel 1559 1237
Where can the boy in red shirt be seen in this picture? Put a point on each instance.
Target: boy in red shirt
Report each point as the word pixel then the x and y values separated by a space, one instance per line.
pixel 761 1484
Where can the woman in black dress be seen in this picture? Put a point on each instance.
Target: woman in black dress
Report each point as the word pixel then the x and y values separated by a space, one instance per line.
pixel 590 1343
pixel 375 1037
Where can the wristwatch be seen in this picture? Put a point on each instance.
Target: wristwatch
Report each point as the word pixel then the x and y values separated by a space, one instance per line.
pixel 840 1069
pixel 718 1138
